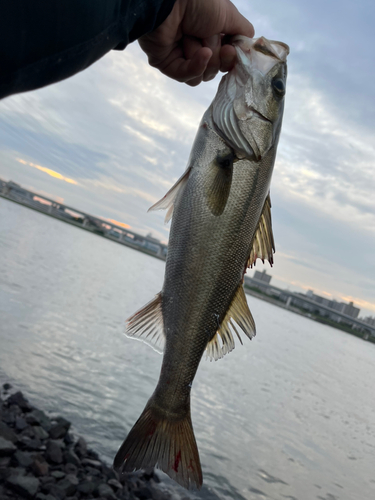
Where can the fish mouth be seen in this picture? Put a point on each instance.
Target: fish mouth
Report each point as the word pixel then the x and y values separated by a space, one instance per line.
pixel 259 53
pixel 258 114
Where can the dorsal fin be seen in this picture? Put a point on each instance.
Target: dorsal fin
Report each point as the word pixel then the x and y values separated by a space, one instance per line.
pixel 168 200
pixel 263 246
pixel 239 313
pixel 147 324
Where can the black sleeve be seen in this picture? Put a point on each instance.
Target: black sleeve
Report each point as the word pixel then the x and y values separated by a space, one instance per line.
pixel 45 41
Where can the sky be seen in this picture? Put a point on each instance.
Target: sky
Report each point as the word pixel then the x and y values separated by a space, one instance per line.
pixel 113 139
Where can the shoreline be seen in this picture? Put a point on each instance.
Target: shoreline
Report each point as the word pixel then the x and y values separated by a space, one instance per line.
pixel 90 229
pixel 41 459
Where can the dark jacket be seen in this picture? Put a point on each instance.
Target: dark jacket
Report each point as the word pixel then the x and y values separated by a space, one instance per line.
pixel 44 41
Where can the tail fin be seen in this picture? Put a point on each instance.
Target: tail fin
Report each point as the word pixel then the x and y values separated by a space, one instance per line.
pixel 157 441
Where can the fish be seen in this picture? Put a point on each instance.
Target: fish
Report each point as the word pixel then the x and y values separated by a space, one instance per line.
pixel 221 224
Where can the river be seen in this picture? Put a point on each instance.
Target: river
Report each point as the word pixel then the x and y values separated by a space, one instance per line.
pixel 289 415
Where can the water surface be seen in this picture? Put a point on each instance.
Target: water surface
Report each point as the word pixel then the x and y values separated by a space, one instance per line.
pixel 289 415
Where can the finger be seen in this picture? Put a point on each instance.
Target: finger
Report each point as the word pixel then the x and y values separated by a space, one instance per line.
pixel 213 66
pixel 235 23
pixel 195 81
pixel 184 70
pixel 228 57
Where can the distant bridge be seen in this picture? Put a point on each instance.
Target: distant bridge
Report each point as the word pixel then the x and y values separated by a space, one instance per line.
pixel 288 299
pixel 146 244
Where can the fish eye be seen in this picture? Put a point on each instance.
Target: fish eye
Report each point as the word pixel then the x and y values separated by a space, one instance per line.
pixel 278 86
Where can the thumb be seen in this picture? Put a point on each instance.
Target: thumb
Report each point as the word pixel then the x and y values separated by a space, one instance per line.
pixel 235 23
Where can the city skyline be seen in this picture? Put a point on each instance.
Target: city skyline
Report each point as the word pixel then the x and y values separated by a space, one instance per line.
pixel 114 138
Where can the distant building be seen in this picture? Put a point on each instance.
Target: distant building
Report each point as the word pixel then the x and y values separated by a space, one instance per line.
pixel 14 190
pixel 262 276
pixel 311 303
pixel 369 320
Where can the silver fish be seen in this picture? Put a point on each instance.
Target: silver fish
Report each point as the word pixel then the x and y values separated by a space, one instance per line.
pixel 221 224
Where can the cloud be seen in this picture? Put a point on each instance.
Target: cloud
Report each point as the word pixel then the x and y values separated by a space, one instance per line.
pixel 48 171
pixel 124 132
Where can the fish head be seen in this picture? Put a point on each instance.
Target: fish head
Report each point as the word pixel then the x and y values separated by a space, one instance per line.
pixel 248 108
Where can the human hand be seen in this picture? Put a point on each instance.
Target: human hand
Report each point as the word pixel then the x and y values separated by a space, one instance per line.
pixel 187 46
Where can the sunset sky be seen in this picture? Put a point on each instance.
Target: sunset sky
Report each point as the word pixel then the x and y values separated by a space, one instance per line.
pixel 114 138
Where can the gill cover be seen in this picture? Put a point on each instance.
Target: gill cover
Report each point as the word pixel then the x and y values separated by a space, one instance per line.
pixel 245 110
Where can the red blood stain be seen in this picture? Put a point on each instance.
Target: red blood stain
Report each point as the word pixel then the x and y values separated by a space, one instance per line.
pixel 177 461
pixel 152 429
pixel 191 465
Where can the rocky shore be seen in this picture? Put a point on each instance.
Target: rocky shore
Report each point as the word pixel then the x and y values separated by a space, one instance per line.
pixel 40 459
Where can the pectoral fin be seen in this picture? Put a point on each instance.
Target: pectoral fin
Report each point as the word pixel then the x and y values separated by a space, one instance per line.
pixel 239 313
pixel 218 182
pixel 168 200
pixel 263 246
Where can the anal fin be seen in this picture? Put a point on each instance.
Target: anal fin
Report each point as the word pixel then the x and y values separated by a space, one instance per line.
pixel 238 314
pixel 147 324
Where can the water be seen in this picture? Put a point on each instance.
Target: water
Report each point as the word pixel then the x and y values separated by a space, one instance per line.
pixel 289 415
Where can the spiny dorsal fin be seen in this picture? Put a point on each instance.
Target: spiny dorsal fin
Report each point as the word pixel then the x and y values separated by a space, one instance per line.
pixel 147 325
pixel 218 182
pixel 239 313
pixel 263 246
pixel 168 200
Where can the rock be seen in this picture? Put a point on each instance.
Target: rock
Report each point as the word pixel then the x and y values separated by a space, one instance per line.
pixel 6 447
pixel 144 493
pixel 19 400
pixel 58 430
pixel 148 473
pixel 7 433
pixel 28 431
pixel 39 432
pixel 71 469
pixel 68 438
pixel 92 471
pixel 38 417
pixel 92 463
pixel 40 467
pixel 8 417
pixel 86 487
pixel 46 483
pixel 20 423
pixel 7 386
pixel 57 492
pixel 4 463
pixel 53 452
pixel 68 485
pixel 17 471
pixel 41 496
pixel 30 443
pixel 105 491
pixel 109 472
pixel 71 458
pixel 92 454
pixel 115 484
pixel 58 474
pixel 27 486
pixel 81 447
pixel 22 458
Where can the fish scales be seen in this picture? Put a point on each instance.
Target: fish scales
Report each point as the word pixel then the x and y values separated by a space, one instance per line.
pixel 220 225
